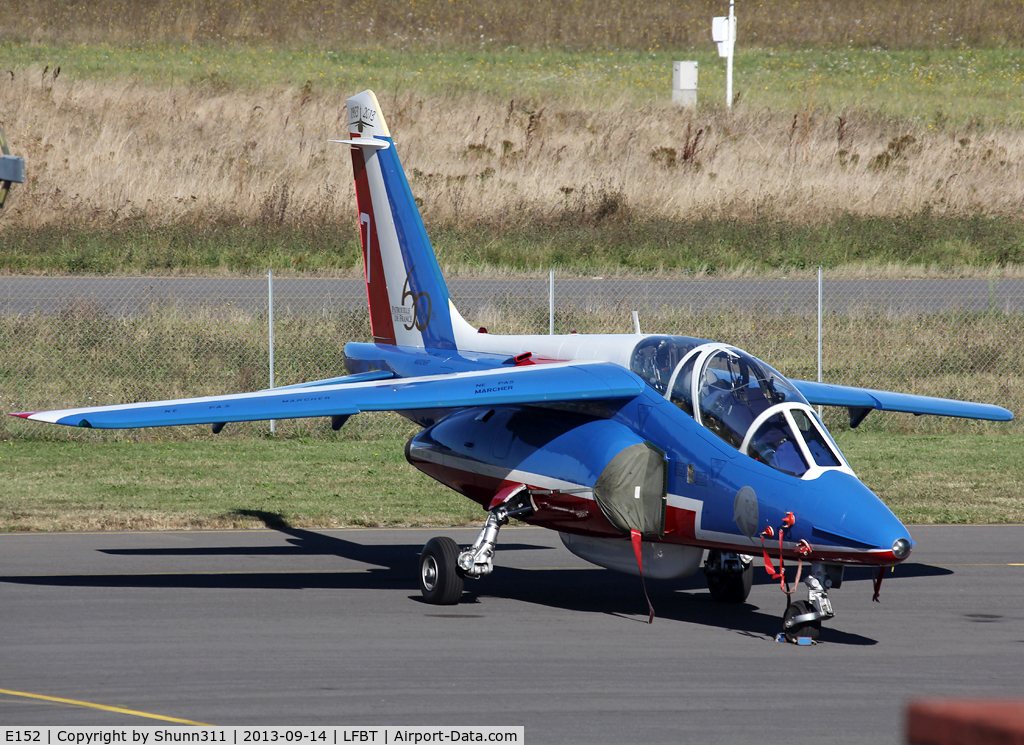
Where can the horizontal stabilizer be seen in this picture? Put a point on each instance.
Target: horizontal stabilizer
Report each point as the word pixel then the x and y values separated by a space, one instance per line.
pixel 825 394
pixel 365 142
pixel 558 382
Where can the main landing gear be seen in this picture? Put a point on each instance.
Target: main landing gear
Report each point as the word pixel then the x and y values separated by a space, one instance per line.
pixel 443 567
pixel 801 622
pixel 729 575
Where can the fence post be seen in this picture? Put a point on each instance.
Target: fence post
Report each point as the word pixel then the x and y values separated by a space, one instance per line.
pixel 270 324
pixel 819 331
pixel 551 302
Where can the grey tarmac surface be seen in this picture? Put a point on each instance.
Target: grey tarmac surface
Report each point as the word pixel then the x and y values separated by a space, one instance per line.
pixel 300 627
pixel 133 295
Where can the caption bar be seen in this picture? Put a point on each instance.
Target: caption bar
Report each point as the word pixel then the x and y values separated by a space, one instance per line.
pixel 260 735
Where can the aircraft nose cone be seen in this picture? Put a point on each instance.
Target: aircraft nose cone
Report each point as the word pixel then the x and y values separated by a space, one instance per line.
pixel 850 515
pixel 901 548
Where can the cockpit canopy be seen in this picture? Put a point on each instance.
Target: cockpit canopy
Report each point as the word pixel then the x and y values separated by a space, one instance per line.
pixel 741 399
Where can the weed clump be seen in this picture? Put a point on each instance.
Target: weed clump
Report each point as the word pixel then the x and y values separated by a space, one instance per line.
pixel 897 148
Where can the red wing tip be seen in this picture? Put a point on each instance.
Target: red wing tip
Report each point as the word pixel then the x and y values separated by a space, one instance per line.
pixel 25 414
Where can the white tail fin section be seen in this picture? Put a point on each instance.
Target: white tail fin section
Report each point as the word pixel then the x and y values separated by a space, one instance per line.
pixel 408 298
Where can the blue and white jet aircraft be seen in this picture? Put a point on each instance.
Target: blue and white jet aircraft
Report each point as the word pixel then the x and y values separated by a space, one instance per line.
pixel 645 452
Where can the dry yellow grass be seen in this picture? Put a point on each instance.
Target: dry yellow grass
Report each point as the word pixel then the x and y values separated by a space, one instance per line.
pixel 568 24
pixel 105 152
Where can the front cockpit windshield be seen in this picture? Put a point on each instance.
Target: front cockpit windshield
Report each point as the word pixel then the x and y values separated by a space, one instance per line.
pixel 741 399
pixel 773 444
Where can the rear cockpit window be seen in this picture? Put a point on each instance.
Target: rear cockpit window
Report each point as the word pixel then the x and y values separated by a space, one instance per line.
pixel 682 385
pixel 656 357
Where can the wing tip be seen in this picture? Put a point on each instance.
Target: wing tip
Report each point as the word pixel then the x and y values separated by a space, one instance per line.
pixel 23 414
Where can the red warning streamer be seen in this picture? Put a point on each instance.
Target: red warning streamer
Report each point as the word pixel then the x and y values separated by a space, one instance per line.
pixel 803 548
pixel 878 584
pixel 637 546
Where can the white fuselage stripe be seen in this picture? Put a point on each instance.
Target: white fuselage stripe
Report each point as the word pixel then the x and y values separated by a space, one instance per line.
pixel 535 479
pixel 395 270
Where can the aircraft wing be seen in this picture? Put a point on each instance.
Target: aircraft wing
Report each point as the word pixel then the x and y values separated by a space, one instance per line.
pixel 852 398
pixel 564 381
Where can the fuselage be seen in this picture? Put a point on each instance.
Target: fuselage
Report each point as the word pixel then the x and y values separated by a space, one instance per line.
pixel 724 482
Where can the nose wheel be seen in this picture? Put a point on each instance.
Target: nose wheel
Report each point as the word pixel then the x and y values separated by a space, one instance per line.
pixel 801 621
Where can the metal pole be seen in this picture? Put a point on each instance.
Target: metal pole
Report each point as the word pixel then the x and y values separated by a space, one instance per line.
pixel 819 330
pixel 270 323
pixel 732 47
pixel 551 302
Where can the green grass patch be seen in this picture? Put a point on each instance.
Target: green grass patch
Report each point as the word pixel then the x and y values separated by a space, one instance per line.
pixel 239 482
pixel 964 478
pixel 588 242
pixel 945 88
pixel 137 247
pixel 219 483
pixel 594 242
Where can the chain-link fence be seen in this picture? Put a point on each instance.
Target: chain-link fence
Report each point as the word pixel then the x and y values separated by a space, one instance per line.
pixel 71 341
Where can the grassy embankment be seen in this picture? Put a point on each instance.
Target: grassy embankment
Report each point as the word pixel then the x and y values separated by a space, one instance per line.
pixel 212 156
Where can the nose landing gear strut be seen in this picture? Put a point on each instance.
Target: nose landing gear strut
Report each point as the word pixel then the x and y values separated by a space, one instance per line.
pixel 802 619
pixel 801 623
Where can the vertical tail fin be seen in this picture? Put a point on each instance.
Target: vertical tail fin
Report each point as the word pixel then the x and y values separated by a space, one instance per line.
pixel 409 301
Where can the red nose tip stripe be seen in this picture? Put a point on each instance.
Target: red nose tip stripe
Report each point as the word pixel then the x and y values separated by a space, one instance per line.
pixel 25 414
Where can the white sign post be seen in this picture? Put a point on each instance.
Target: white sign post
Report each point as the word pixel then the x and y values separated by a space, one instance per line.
pixel 723 31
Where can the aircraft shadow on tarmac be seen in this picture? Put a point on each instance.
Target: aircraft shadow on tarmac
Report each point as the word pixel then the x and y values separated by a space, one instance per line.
pixel 395 565
pixel 685 601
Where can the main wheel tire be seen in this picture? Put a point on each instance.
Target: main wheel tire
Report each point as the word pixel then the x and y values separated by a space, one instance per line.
pixel 731 588
pixel 805 630
pixel 441 579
